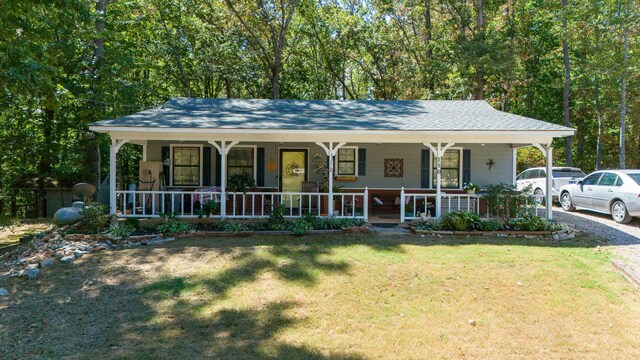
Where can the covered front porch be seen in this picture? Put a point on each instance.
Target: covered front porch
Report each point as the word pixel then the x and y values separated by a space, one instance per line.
pixel 239 158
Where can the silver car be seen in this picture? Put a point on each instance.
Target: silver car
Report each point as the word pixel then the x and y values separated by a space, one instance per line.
pixel 614 192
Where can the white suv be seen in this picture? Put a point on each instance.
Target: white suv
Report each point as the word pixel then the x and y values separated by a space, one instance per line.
pixel 537 179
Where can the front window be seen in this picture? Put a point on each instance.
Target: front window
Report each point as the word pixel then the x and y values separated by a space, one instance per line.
pixel 347 161
pixel 186 166
pixel 240 160
pixel 450 170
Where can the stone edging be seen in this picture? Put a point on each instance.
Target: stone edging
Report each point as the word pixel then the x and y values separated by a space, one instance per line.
pixel 628 272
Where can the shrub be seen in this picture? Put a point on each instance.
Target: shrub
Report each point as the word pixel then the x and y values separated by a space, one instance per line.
pixel 427 225
pixel 461 221
pixel 132 223
pixel 172 225
pixel 490 225
pixel 276 218
pixel 505 202
pixel 95 217
pixel 233 226
pixel 121 230
pixel 530 223
pixel 300 226
pixel 208 208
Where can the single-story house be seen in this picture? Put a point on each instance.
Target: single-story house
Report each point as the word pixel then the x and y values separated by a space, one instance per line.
pixel 328 157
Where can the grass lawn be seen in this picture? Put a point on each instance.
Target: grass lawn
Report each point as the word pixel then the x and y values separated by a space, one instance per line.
pixel 10 235
pixel 347 296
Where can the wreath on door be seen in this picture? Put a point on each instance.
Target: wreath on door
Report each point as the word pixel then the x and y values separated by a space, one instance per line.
pixel 294 169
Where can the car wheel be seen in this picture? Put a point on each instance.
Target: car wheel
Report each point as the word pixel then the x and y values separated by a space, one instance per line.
pixel 619 212
pixel 566 202
pixel 539 196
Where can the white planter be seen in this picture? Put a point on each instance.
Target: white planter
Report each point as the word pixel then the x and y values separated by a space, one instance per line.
pixel 471 192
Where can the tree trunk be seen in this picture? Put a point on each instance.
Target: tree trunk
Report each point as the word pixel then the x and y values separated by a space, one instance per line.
pixel 227 84
pixel 479 89
pixel 567 81
pixel 596 94
pixel 427 41
pixel 623 99
pixel 44 165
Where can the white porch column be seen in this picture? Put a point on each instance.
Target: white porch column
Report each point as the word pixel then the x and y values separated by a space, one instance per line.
pixel 438 152
pixel 547 151
pixel 331 152
pixel 113 153
pixel 549 199
pixel 223 148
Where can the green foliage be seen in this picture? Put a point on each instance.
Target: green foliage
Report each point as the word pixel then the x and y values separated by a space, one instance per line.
pixel 172 225
pixel 95 217
pixel 337 223
pixel 490 225
pixel 208 208
pixel 461 221
pixel 132 223
pixel 300 226
pixel 233 226
pixel 530 223
pixel 276 218
pixel 430 224
pixel 121 230
pixel 505 202
pixel 241 182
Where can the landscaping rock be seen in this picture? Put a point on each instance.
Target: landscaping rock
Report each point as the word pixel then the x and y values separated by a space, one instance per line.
pixel 67 216
pixel 78 253
pixel 67 259
pixel 32 266
pixel 4 292
pixel 47 262
pixel 32 273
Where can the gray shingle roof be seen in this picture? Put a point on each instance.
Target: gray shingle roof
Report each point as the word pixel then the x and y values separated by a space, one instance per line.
pixel 329 115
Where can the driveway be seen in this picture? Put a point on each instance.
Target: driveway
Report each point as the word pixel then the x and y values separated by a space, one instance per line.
pixel 625 239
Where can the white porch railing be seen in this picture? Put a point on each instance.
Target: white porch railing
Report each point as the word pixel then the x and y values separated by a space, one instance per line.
pixel 249 205
pixel 414 205
pixel 148 203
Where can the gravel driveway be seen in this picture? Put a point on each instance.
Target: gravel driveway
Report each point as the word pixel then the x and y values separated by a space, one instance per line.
pixel 625 239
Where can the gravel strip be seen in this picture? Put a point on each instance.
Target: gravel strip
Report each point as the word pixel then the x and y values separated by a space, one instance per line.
pixel 625 239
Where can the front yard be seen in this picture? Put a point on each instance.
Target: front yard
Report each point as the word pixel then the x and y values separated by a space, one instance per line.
pixel 339 296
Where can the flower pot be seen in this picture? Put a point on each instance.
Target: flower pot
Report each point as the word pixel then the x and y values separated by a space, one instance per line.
pixel 471 191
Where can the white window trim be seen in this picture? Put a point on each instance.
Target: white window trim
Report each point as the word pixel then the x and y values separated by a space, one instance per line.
pixel 460 176
pixel 255 158
pixel 337 167
pixel 171 163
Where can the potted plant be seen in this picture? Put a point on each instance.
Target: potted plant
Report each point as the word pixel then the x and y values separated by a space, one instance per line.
pixel 471 188
pixel 241 183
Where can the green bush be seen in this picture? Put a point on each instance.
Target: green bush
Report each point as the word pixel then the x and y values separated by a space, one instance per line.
pixel 490 225
pixel 461 221
pixel 530 223
pixel 505 202
pixel 172 225
pixel 300 226
pixel 276 218
pixel 133 223
pixel 121 230
pixel 427 225
pixel 233 226
pixel 95 217
pixel 208 208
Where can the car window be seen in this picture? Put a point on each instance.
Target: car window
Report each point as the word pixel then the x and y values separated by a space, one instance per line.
pixel 635 177
pixel 567 173
pixel 543 173
pixel 619 182
pixel 591 179
pixel 608 179
pixel 523 175
pixel 534 174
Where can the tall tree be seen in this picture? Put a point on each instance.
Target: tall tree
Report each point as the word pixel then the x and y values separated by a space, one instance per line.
pixel 567 83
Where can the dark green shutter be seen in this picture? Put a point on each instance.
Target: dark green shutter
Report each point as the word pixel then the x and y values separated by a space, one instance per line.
pixel 466 166
pixel 206 166
pixel 425 164
pixel 260 166
pixel 362 162
pixel 218 168
pixel 165 164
